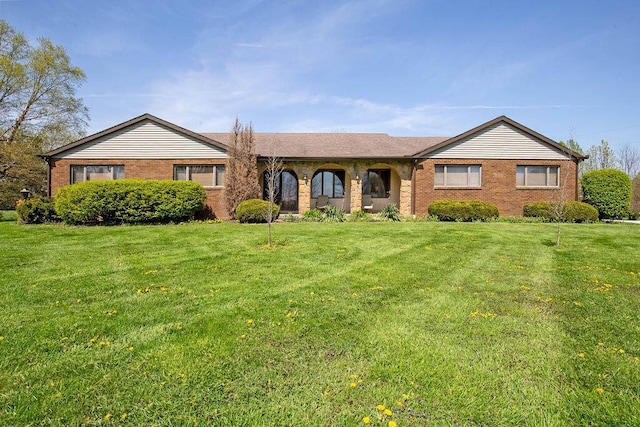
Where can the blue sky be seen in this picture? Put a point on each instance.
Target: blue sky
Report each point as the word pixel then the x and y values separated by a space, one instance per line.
pixel 403 67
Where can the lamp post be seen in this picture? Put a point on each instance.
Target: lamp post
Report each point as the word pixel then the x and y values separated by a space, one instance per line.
pixel 25 193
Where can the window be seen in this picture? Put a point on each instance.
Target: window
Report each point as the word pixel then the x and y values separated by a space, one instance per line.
pixel 458 176
pixel 375 182
pixel 80 173
pixel 206 175
pixel 537 176
pixel 328 183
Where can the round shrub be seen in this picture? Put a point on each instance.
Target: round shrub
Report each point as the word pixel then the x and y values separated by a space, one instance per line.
pixel 538 210
pixel 463 210
pixel 609 191
pixel 36 210
pixel 129 201
pixel 255 210
pixel 579 212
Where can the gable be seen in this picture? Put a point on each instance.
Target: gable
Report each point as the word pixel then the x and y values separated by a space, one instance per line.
pixel 499 141
pixel 146 139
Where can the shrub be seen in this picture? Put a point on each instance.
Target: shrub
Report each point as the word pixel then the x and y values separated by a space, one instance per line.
pixel 538 210
pixel 129 201
pixel 579 212
pixel 36 210
pixel 255 210
pixel 360 216
pixel 313 215
pixel 465 210
pixel 390 213
pixel 635 195
pixel 609 191
pixel 334 214
pixel 572 211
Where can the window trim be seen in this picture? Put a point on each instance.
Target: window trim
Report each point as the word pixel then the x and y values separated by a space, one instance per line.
pixel 188 173
pixel 84 171
pixel 468 166
pixel 548 167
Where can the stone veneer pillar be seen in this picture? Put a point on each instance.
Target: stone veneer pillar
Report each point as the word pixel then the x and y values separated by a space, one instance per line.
pixel 356 195
pixel 405 197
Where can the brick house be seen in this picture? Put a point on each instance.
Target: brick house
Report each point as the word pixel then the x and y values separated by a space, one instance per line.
pixel 500 161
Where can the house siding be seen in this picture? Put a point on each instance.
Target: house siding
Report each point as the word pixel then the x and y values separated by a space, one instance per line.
pixel 144 140
pixel 141 169
pixel 498 184
pixel 499 141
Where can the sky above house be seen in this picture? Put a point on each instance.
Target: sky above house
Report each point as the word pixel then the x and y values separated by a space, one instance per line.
pixel 565 68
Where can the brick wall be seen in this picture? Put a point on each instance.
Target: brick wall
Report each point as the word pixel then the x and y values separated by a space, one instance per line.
pixel 140 169
pixel 498 184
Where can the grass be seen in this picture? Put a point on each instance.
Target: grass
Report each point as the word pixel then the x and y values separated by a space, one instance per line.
pixel 442 323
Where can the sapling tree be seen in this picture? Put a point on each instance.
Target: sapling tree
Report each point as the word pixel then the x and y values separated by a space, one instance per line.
pixel 273 171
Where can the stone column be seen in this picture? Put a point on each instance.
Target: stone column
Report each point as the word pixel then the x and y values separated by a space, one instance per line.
pixel 356 195
pixel 405 197
pixel 304 192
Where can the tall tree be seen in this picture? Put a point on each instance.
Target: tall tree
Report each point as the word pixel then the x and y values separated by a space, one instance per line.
pixel 241 182
pixel 39 109
pixel 600 157
pixel 629 159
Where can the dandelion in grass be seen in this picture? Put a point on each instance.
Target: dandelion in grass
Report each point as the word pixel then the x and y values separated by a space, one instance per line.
pixel 621 351
pixel 380 408
pixel 581 355
pixel 388 412
pixel 393 424
pixel 123 417
pixel 366 420
pixel 107 417
pixel 599 390
pixel 353 385
pixel 249 321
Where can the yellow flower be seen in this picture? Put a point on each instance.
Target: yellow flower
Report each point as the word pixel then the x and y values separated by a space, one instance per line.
pixel 249 321
pixel 123 416
pixel 581 355
pixel 366 420
pixel 393 424
pixel 388 412
pixel 599 390
pixel 600 344
pixel 380 407
pixel 106 417
pixel 353 385
pixel 621 351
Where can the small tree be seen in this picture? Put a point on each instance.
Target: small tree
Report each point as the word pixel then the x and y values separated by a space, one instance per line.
pixel 635 195
pixel 272 186
pixel 241 182
pixel 557 208
pixel 609 191
pixel 629 159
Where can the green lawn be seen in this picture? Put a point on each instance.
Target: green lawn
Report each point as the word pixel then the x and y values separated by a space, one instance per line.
pixel 201 324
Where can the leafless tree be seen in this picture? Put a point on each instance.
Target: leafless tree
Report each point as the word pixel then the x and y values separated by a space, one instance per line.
pixel 600 157
pixel 241 182
pixel 629 159
pixel 273 171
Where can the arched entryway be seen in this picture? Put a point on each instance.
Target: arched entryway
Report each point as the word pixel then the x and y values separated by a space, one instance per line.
pixel 286 191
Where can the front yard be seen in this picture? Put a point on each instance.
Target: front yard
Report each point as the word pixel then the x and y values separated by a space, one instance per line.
pixel 440 323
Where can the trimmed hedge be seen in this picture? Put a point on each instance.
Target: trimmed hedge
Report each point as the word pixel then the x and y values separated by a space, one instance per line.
pixel 255 210
pixel 463 210
pixel 609 191
pixel 572 211
pixel 129 201
pixel 36 210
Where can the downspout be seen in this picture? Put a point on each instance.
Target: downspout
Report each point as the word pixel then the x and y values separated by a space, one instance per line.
pixel 413 187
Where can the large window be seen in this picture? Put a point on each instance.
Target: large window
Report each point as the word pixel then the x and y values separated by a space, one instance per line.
pixel 80 173
pixel 207 175
pixel 328 183
pixel 376 183
pixel 537 176
pixel 458 176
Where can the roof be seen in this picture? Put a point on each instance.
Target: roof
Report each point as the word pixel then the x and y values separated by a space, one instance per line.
pixel 131 122
pixel 508 121
pixel 334 145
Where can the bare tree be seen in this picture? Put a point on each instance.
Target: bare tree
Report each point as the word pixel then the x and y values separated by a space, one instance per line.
pixel 241 182
pixel 273 171
pixel 629 159
pixel 558 205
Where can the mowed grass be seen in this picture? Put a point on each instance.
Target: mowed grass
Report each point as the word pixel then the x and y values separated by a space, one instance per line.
pixel 201 324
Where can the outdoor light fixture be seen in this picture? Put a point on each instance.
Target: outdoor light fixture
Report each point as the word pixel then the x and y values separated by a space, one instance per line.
pixel 305 178
pixel 357 177
pixel 25 193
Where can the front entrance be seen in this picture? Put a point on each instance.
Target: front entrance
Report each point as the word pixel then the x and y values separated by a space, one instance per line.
pixel 286 191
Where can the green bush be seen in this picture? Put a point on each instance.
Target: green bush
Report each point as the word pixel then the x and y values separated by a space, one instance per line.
pixel 609 191
pixel 255 210
pixel 360 216
pixel 538 210
pixel 635 195
pixel 36 210
pixel 579 212
pixel 312 215
pixel 129 201
pixel 334 214
pixel 463 210
pixel 572 211
pixel 390 213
